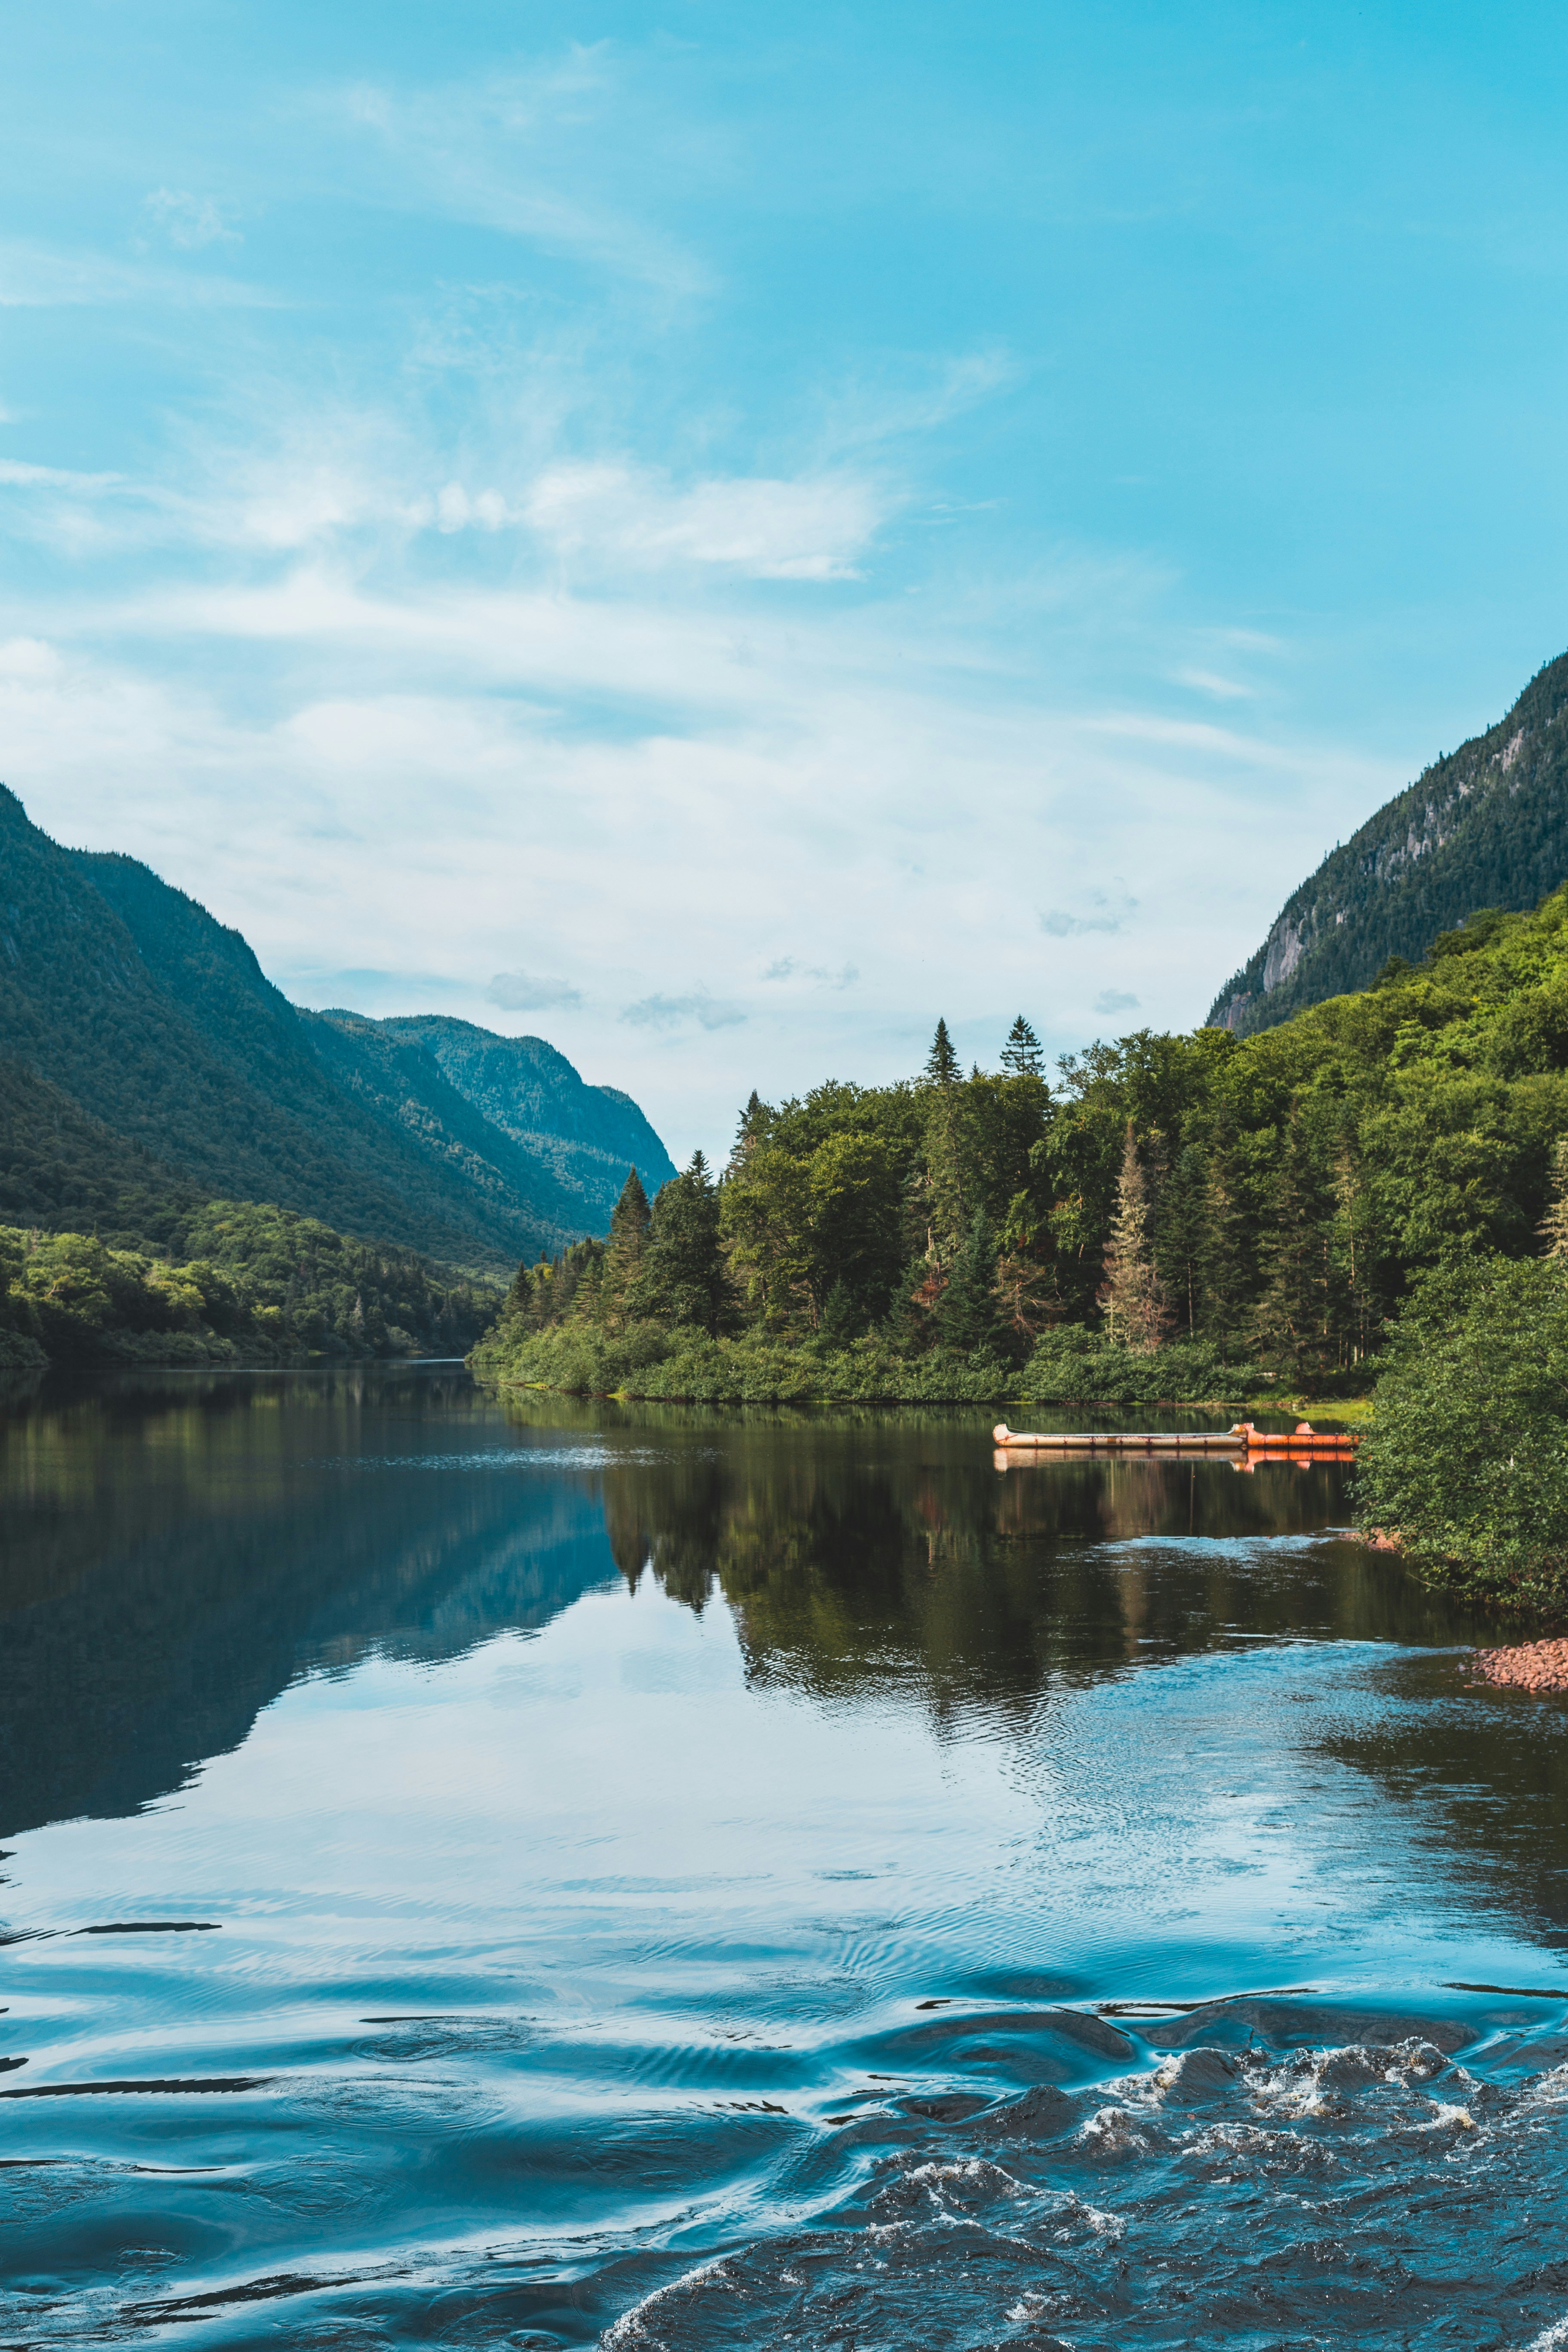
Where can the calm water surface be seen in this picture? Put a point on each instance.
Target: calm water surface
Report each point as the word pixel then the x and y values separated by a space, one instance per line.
pixel 515 1873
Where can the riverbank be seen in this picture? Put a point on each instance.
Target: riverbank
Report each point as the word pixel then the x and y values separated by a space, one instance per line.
pixel 649 1364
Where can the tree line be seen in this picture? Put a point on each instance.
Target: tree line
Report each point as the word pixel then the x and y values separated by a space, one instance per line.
pixel 1275 1198
pixel 260 1285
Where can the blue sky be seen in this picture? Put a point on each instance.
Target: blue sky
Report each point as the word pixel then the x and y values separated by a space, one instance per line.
pixel 716 534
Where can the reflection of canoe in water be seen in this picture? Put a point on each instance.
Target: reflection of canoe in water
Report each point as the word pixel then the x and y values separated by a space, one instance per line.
pixel 1302 1443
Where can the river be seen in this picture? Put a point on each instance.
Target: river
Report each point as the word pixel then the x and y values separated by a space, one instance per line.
pixel 488 1871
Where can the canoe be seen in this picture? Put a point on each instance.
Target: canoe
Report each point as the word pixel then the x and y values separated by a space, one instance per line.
pixel 1302 1443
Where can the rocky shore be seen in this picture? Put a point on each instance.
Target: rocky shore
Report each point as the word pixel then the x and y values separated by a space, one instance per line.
pixel 1527 1666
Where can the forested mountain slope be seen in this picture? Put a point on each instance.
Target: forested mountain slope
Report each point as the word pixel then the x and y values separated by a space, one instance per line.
pixel 588 1136
pixel 1486 826
pixel 147 1049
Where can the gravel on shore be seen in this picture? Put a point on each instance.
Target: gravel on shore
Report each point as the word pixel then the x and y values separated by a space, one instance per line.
pixel 1529 1665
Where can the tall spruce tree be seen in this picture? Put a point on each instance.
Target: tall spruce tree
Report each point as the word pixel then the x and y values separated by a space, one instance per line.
pixel 683 1278
pixel 1132 1297
pixel 625 1251
pixel 942 1063
pixel 1224 1266
pixel 1294 1319
pixel 1355 1254
pixel 1180 1236
pixel 1023 1056
pixel 966 1314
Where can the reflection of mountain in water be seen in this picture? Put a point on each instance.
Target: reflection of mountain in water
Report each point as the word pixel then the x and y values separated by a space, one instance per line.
pixel 177 1552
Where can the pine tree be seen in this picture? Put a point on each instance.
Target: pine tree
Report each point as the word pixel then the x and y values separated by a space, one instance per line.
pixel 1553 1226
pixel 1023 1056
pixel 624 1254
pixel 1294 1317
pixel 1224 1255
pixel 752 1132
pixel 942 1062
pixel 1355 1261
pixel 966 1314
pixel 1180 1236
pixel 1131 1297
pixel 683 1278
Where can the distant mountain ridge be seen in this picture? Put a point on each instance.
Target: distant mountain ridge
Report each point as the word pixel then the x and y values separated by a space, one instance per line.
pixel 146 1048
pixel 1485 826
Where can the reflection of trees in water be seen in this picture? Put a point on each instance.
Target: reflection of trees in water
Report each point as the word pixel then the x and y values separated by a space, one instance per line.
pixel 877 1548
pixel 1490 1771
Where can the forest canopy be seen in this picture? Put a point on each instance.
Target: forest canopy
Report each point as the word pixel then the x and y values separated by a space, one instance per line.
pixel 1182 1209
pixel 253 1285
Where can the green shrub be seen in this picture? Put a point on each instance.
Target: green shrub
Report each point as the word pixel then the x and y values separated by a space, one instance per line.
pixel 1467 1458
pixel 1073 1366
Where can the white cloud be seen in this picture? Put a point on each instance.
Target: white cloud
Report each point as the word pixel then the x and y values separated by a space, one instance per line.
pixel 678 1011
pixel 1115 1000
pixel 1208 682
pixel 766 529
pixel 526 992
pixel 790 968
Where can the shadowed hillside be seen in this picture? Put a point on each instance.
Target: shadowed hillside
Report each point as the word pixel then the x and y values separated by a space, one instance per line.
pixel 152 1063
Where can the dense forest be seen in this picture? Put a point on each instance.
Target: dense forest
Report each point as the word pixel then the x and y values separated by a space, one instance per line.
pixel 249 1285
pixel 1486 825
pixel 1163 1216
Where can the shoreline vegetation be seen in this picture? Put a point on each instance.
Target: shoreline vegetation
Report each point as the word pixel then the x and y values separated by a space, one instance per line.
pixel 251 1285
pixel 1373 1193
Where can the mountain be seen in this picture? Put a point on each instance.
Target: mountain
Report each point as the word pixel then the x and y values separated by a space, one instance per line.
pixel 147 1050
pixel 588 1135
pixel 1484 827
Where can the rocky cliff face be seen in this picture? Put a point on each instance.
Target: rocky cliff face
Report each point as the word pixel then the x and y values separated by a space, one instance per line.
pixel 1486 826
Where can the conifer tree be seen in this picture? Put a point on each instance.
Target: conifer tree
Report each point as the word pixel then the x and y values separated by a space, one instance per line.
pixel 1023 1056
pixel 1294 1317
pixel 965 1314
pixel 1360 1307
pixel 1553 1226
pixel 1224 1255
pixel 624 1254
pixel 947 1189
pixel 683 1278
pixel 752 1132
pixel 1132 1297
pixel 942 1062
pixel 1181 1236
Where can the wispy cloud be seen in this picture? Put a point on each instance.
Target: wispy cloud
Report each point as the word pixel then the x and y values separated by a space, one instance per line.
pixel 187 221
pixel 1115 1000
pixel 677 1011
pixel 38 276
pixel 768 530
pixel 525 991
pixel 821 975
pixel 530 152
pixel 1208 682
pixel 1105 915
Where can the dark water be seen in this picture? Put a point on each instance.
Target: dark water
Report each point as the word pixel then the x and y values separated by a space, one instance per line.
pixel 562 1871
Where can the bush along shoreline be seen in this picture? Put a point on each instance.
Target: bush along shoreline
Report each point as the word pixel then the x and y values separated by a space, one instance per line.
pixel 1465 1472
pixel 685 1365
